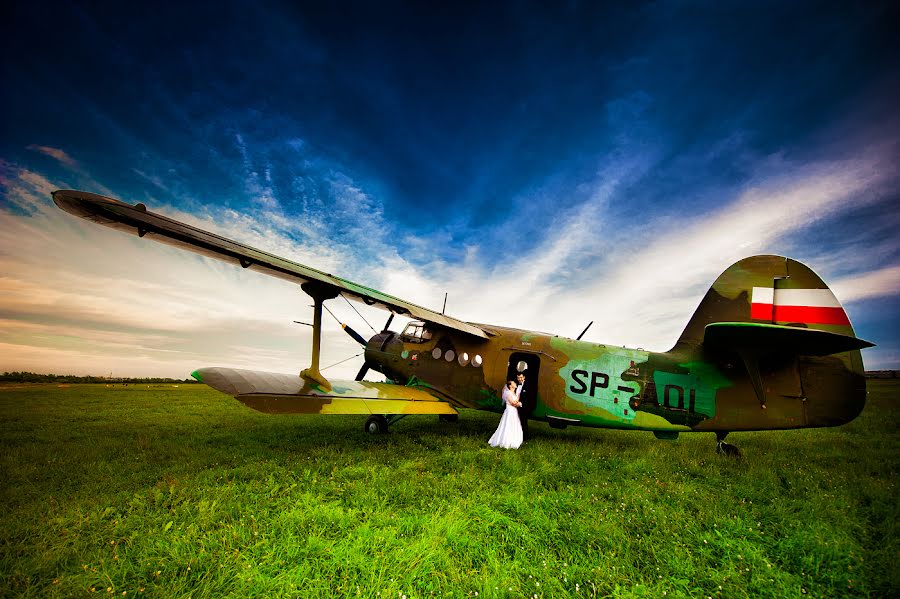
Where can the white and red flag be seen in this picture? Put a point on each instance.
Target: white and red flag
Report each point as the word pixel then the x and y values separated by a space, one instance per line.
pixel 809 306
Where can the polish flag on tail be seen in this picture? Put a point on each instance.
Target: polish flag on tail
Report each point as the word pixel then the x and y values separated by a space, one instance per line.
pixel 810 306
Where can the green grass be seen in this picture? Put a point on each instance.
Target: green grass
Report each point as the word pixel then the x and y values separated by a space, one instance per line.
pixel 162 491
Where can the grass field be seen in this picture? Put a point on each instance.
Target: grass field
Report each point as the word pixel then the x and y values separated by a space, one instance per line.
pixel 171 492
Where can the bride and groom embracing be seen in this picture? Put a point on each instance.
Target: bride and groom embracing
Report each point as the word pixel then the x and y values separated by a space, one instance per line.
pixel 509 434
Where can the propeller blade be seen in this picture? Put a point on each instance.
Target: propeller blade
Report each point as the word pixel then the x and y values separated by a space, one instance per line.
pixel 388 323
pixel 362 372
pixel 356 336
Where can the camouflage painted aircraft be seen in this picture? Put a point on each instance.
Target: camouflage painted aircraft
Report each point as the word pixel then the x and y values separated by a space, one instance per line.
pixel 769 347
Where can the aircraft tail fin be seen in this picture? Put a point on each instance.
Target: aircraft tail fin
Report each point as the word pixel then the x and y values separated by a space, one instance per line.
pixel 781 322
pixel 774 302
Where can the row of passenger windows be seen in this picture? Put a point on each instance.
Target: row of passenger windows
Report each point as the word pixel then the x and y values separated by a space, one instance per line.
pixel 462 358
pixel 416 332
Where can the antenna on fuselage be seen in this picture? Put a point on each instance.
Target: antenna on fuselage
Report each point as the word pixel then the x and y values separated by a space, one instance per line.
pixel 444 309
pixel 584 331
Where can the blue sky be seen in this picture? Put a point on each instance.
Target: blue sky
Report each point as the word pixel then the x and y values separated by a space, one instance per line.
pixel 546 165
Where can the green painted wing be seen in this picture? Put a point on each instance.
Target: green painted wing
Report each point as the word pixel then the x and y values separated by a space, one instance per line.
pixel 136 220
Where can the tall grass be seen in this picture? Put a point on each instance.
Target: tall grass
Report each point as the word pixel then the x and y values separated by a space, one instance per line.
pixel 162 491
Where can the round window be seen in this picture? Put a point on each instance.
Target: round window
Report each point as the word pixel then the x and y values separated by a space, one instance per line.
pixel 463 359
pixel 449 355
pixel 436 353
pixel 476 361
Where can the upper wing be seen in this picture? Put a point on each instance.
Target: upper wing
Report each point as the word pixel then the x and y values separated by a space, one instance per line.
pixel 276 393
pixel 138 221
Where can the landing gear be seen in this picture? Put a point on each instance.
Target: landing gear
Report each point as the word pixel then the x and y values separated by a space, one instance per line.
pixel 726 449
pixel 376 425
pixel 448 417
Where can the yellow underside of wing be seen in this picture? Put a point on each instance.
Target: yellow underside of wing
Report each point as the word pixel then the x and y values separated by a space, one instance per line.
pixel 293 404
pixel 276 393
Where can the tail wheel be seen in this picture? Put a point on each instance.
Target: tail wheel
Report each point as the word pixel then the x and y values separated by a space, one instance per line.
pixel 726 449
pixel 376 425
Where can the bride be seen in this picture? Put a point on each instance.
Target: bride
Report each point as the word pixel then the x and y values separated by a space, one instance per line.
pixel 509 432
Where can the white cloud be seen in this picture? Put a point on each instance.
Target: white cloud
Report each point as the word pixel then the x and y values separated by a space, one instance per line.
pixel 884 282
pixel 132 304
pixel 644 292
pixel 141 308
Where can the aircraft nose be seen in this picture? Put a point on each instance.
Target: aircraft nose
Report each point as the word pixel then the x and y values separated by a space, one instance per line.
pixel 377 341
pixel 378 354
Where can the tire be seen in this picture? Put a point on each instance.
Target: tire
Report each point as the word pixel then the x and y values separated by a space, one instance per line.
pixel 376 425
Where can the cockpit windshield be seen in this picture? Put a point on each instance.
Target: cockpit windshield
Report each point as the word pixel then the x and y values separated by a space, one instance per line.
pixel 416 332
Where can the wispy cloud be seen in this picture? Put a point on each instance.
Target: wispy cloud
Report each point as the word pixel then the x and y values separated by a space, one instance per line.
pixel 58 154
pixel 144 307
pixel 155 310
pixel 154 179
pixel 257 184
pixel 884 282
pixel 651 279
pixel 76 168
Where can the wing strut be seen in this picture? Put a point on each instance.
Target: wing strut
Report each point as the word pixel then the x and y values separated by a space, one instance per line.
pixel 319 293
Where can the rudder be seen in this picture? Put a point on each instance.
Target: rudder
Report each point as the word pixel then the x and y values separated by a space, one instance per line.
pixel 782 322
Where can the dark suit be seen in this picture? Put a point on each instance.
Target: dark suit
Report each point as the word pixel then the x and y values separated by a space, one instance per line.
pixel 524 393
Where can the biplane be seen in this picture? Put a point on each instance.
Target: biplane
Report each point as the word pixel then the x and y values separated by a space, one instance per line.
pixel 769 347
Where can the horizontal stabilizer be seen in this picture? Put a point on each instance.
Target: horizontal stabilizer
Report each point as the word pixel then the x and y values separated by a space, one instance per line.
pixel 277 393
pixel 773 337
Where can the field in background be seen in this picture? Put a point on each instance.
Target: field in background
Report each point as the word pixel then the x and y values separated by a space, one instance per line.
pixel 164 491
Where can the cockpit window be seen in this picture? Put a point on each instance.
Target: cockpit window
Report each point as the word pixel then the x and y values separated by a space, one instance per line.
pixel 416 332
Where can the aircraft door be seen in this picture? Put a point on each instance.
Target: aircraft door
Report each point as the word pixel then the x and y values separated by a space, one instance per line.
pixel 528 365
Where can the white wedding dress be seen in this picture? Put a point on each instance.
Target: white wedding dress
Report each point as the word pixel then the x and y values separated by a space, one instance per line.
pixel 509 432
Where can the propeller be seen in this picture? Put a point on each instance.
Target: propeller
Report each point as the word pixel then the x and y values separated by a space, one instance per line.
pixel 364 369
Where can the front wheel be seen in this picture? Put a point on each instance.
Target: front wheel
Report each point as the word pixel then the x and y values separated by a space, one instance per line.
pixel 376 425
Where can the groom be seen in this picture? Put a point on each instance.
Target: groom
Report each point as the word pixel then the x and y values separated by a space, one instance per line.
pixel 523 394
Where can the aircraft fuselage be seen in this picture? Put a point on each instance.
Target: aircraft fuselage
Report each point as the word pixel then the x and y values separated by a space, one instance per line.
pixel 589 384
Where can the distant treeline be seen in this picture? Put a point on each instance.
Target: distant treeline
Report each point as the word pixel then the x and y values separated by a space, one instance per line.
pixel 882 374
pixel 32 377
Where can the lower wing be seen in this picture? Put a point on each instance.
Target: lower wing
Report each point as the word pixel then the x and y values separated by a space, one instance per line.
pixel 276 393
